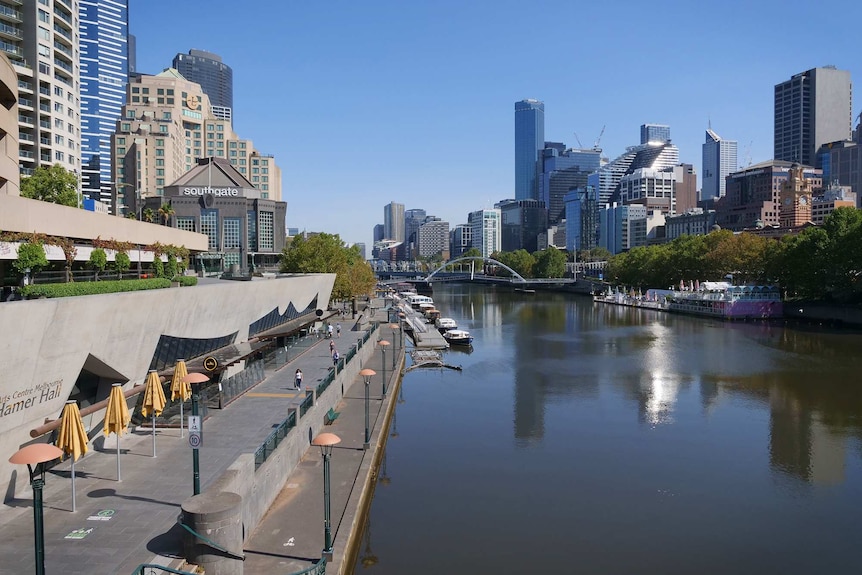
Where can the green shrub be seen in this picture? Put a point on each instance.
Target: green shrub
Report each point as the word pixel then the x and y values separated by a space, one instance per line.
pixel 187 280
pixel 122 262
pixel 171 268
pixel 31 255
pixel 98 260
pixel 90 288
pixel 158 268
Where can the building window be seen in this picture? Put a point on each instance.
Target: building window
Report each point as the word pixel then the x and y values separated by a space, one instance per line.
pixel 266 237
pixel 136 90
pixel 126 127
pixel 160 162
pixel 121 151
pixel 163 129
pixel 59 156
pixel 209 226
pixel 166 115
pixel 121 141
pixel 231 227
pixel 130 114
pixel 186 223
pixel 252 231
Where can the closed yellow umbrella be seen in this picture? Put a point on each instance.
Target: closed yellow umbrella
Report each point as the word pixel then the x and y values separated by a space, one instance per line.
pixel 180 389
pixel 154 401
pixel 117 418
pixel 72 438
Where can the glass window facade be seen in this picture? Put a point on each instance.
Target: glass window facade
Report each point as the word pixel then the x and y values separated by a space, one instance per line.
pixel 209 226
pixel 232 227
pixel 252 231
pixel 266 237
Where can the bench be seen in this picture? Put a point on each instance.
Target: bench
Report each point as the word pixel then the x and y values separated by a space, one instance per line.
pixel 331 416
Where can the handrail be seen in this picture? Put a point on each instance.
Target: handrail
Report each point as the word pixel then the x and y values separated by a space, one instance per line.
pixel 211 543
pixel 139 570
pixel 318 568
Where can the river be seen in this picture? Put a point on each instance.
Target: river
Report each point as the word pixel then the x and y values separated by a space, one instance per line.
pixel 595 439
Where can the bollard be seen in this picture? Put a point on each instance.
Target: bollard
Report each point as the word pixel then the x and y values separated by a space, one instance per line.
pixel 217 517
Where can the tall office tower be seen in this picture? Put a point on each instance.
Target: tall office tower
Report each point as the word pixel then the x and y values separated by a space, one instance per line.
pixel 811 109
pixel 379 233
pixel 485 226
pixel 562 171
pixel 133 54
pixel 41 40
pixel 393 221
pixel 104 74
pixel 529 141
pixel 432 238
pixel 655 133
pixel 165 127
pixel 719 161
pixel 213 75
pixel 521 222
pixel 413 219
pixel 460 240
pixel 685 188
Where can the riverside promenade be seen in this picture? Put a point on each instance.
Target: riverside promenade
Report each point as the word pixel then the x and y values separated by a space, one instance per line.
pixel 120 525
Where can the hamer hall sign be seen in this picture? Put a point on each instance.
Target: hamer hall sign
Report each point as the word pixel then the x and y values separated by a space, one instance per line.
pixel 23 399
pixel 203 191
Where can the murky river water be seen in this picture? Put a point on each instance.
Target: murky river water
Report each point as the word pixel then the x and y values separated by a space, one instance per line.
pixel 586 438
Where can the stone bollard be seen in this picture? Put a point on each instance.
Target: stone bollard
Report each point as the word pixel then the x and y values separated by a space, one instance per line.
pixel 218 517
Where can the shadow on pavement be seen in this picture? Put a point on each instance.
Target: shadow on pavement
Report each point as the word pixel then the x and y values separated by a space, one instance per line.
pixel 168 544
pixel 98 493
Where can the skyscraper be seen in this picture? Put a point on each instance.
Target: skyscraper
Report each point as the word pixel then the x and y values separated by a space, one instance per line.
pixel 529 141
pixel 719 161
pixel 562 171
pixel 41 40
pixel 104 26
pixel 485 231
pixel 655 133
pixel 811 109
pixel 214 76
pixel 393 221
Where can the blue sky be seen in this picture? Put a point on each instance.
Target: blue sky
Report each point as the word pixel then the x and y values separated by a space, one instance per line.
pixel 363 103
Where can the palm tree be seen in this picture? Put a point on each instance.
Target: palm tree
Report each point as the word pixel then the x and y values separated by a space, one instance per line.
pixel 166 211
pixel 149 215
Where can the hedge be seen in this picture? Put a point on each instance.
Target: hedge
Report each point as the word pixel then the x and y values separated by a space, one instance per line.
pixel 186 281
pixel 90 288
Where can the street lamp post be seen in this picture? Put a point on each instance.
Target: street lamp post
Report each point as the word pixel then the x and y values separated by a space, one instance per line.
pixel 383 344
pixel 399 342
pixel 37 454
pixel 367 373
pixel 196 379
pixel 325 441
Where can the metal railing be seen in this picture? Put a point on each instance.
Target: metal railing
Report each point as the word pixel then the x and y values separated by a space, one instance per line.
pixel 274 440
pixel 318 568
pixel 151 569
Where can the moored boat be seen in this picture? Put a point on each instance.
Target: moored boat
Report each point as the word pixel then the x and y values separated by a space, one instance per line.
pixel 444 324
pixel 458 337
pixel 721 299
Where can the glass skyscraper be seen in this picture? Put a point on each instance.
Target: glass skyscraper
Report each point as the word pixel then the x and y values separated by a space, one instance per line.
pixel 529 142
pixel 655 133
pixel 104 29
pixel 214 76
pixel 719 160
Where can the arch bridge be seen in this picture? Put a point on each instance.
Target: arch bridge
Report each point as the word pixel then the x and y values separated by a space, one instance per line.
pixel 516 277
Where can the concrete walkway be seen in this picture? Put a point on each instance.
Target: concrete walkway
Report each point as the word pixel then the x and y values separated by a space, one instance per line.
pixel 120 525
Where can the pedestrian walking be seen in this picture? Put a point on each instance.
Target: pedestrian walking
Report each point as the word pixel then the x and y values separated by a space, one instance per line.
pixel 338 329
pixel 298 379
pixel 329 331
pixel 335 357
pixel 331 346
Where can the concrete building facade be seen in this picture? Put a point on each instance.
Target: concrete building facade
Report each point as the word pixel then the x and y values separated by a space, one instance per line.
pixel 693 222
pixel 432 238
pixel 485 226
pixel 812 108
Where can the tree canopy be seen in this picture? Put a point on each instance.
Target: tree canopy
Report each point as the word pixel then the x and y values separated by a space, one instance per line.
pixel 327 253
pixel 53 184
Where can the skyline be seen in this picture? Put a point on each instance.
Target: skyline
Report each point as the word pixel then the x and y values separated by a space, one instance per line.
pixel 364 105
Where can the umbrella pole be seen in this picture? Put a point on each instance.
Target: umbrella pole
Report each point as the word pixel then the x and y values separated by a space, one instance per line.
pixel 119 478
pixel 154 434
pixel 182 434
pixel 73 484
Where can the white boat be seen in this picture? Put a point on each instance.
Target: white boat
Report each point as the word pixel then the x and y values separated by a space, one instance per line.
pixel 444 324
pixel 458 337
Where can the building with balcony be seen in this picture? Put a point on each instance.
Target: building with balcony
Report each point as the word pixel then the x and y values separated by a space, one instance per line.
pixel 485 226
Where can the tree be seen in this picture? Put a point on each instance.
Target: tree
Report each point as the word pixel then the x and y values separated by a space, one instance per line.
pixel 31 259
pixel 326 253
pixel 98 259
pixel 122 263
pixel 550 263
pixel 520 260
pixel 149 215
pixel 53 184
pixel 165 212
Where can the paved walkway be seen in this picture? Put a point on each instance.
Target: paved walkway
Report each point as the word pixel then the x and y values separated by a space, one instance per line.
pixel 120 525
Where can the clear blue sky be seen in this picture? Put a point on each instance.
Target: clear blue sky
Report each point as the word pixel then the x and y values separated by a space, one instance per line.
pixel 363 103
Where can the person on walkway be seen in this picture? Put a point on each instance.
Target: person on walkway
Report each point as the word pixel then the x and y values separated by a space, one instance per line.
pixel 335 357
pixel 329 331
pixel 298 377
pixel 338 330
pixel 331 346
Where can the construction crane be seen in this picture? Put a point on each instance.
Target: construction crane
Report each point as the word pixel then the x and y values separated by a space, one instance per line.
pixel 581 146
pixel 599 139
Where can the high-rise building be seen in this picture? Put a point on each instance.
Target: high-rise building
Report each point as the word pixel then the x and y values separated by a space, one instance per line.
pixel 393 221
pixel 616 232
pixel 213 75
pixel 842 162
pixel 653 189
pixel 485 226
pixel 561 172
pixel 413 219
pixel 685 188
pixel 811 109
pixel 529 141
pixel 165 128
pixel 521 222
pixel 460 240
pixel 104 26
pixel 379 232
pixel 41 39
pixel 719 161
pixel 658 133
pixel 432 238
pixel 581 218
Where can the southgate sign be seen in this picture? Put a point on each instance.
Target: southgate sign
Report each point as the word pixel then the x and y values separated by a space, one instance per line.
pixel 225 192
